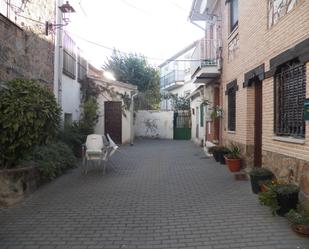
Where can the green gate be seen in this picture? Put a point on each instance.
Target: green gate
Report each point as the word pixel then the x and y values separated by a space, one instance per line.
pixel 182 125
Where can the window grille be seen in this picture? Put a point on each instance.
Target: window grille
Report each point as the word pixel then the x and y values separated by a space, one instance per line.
pixel 290 93
pixel 231 95
pixel 69 57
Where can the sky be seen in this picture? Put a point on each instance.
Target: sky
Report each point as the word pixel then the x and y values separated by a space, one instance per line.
pixel 156 29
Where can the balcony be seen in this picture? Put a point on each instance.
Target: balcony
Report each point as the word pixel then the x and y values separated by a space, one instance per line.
pixel 204 66
pixel 172 80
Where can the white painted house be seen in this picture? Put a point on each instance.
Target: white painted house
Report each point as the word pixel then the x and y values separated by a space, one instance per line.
pixel 70 66
pixel 175 76
pixel 116 110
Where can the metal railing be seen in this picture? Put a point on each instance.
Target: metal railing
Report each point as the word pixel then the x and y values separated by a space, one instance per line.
pixel 206 53
pixel 172 78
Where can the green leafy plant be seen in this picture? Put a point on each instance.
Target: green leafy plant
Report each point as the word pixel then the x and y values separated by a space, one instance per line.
pixel 269 198
pixel 217 112
pixel 52 160
pixel 212 149
pixel 300 216
pixel 285 189
pixel 260 172
pixel 234 152
pixel 29 116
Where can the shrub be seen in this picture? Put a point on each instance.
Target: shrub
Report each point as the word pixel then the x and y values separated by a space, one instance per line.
pixel 269 198
pixel 72 136
pixel 29 116
pixel 300 215
pixel 260 172
pixel 52 160
pixel 285 189
pixel 234 152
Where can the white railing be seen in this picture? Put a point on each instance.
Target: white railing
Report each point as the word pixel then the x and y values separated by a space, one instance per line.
pixel 171 78
pixel 205 54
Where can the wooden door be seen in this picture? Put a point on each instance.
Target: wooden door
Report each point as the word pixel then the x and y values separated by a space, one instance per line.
pixel 258 124
pixel 113 120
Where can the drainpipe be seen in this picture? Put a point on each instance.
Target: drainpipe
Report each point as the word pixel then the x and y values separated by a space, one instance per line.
pixel 58 56
pixel 132 118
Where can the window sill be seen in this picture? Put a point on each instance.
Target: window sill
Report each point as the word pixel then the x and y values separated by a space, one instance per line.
pixel 289 140
pixel 231 132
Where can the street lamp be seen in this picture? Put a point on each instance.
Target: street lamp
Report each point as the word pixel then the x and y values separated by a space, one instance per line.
pixel 66 9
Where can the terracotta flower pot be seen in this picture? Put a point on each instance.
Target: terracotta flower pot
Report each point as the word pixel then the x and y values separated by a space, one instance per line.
pixel 233 164
pixel 301 229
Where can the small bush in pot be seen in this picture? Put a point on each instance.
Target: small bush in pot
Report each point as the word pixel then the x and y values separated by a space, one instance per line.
pixel 280 197
pixel 233 159
pixel 299 219
pixel 287 197
pixel 214 151
pixel 259 175
pixel 222 151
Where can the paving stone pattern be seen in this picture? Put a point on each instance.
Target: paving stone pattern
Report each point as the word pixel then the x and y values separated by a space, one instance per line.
pixel 158 194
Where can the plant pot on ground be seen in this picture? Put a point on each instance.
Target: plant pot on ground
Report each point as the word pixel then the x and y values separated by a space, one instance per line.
pixel 214 151
pixel 287 197
pixel 281 198
pixel 221 152
pixel 299 219
pixel 257 176
pixel 233 159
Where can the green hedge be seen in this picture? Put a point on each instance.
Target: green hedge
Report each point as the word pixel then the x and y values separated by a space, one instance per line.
pixel 29 116
pixel 52 160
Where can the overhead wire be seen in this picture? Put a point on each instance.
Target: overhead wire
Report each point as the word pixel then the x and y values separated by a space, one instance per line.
pixel 113 49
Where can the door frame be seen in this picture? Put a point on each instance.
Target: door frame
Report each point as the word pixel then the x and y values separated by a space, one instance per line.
pixel 258 122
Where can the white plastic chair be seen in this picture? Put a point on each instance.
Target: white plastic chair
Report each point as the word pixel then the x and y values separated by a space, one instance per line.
pixel 94 151
pixel 113 146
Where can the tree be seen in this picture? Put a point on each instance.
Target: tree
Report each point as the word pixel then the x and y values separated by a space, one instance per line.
pixel 134 69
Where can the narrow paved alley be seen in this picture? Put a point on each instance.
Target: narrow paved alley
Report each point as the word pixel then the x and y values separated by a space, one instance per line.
pixel 158 194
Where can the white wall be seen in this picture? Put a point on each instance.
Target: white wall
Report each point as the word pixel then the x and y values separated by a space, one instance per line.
pixel 70 97
pixel 154 124
pixel 196 105
pixel 126 116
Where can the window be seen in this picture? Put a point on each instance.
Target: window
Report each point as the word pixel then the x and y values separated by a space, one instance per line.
pixel 231 109
pixel 279 8
pixel 67 119
pixel 202 115
pixel 69 57
pixel 233 14
pixel 82 67
pixel 290 93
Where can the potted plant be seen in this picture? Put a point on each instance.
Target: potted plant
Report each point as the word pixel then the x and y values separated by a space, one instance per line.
pixel 299 219
pixel 221 152
pixel 214 151
pixel 287 197
pixel 280 197
pixel 233 159
pixel 258 175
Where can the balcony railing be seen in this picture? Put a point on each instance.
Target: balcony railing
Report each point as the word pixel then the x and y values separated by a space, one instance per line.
pixel 205 54
pixel 172 78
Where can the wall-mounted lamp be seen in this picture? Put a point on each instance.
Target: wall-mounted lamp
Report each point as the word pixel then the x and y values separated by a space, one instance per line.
pixel 66 9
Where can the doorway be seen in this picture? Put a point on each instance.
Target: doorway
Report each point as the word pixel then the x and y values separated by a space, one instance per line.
pixel 113 120
pixel 258 118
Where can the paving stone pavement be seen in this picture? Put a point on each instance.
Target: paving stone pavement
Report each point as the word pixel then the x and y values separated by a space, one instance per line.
pixel 158 194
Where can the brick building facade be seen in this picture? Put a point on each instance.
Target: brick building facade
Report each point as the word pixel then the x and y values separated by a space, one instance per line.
pixel 264 84
pixel 25 50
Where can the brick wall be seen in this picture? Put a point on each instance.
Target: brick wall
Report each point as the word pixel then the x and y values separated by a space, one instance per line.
pixel 257 45
pixel 25 51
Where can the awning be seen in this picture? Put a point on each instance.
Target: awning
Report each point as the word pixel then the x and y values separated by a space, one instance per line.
pixel 207 78
pixel 258 72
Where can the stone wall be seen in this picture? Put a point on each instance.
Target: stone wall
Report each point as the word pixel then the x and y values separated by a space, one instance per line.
pixel 288 168
pixel 15 184
pixel 25 50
